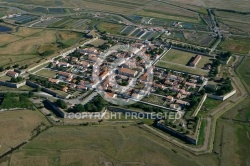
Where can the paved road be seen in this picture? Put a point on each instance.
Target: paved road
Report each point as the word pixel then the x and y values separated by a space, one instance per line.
pixel 90 97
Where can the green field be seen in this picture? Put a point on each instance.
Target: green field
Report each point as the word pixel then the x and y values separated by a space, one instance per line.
pixel 95 146
pixel 181 68
pixel 177 56
pixel 98 42
pixel 204 60
pixel 236 45
pixel 110 27
pixel 231 143
pixel 244 73
pixel 47 73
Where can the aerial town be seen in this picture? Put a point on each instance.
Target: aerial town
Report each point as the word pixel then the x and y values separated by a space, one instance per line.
pixel 158 79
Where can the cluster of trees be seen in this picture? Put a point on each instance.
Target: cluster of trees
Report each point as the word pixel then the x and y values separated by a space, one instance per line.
pixel 225 88
pixel 14 66
pixel 214 71
pixel 16 80
pixel 194 101
pixel 44 82
pixel 61 104
pixel 75 54
pixel 154 51
pixel 190 47
pixel 12 100
pixel 95 105
pixel 47 53
pixel 225 55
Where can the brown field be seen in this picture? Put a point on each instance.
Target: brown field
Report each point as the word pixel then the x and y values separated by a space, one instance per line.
pixel 24 32
pixel 17 126
pixel 7 38
pixel 97 146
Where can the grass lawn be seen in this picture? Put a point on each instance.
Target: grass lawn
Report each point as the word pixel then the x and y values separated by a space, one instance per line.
pixel 47 73
pixel 154 99
pixel 5 78
pixel 177 56
pixel 244 72
pixel 98 42
pixel 209 105
pixel 201 137
pixel 61 93
pixel 23 88
pixel 204 60
pixel 236 45
pixel 110 27
pixel 181 68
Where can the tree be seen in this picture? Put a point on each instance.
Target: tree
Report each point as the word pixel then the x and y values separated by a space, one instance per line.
pixel 61 104
pixel 80 108
pixel 30 94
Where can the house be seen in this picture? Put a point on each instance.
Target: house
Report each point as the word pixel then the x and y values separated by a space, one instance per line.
pixel 170 98
pixel 72 86
pixel 190 84
pixel 65 74
pixel 135 96
pixel 12 74
pixel 90 50
pixel 81 87
pixel 84 64
pixel 159 86
pixel 103 75
pixel 65 89
pixel 179 95
pixel 184 92
pixel 167 82
pixel 56 81
pixel 74 59
pixel 92 57
pixel 110 95
pixel 128 72
pixel 62 64
pixel 195 61
pixel 181 102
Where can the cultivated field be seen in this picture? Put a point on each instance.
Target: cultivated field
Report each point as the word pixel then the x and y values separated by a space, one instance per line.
pixel 29 46
pixel 17 127
pixel 110 27
pixel 236 45
pixel 97 146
